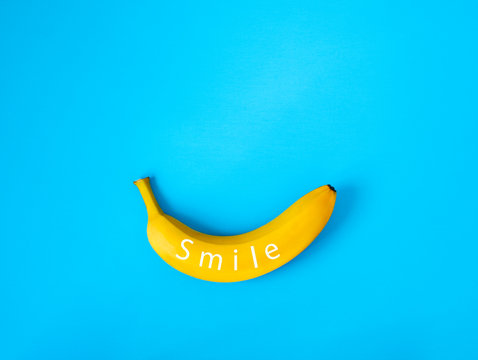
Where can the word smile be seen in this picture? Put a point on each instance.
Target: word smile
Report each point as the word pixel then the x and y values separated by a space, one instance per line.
pixel 269 249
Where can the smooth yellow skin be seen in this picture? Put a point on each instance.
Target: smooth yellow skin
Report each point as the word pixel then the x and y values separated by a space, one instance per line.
pixel 290 233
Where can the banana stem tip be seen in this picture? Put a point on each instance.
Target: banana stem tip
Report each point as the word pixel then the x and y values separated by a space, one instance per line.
pixel 141 180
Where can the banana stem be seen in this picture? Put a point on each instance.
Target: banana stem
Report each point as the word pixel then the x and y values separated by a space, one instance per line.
pixel 152 206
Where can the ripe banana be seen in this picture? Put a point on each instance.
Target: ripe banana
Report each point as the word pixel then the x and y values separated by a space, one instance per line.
pixel 238 257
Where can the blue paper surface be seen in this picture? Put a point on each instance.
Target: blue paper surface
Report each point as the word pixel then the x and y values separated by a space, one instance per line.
pixel 236 110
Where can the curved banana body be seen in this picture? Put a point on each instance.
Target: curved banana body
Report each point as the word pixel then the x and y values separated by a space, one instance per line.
pixel 238 257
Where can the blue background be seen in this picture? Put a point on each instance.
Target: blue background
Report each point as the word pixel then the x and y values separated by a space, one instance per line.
pixel 236 110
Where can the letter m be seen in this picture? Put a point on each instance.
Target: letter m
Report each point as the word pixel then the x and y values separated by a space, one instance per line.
pixel 211 259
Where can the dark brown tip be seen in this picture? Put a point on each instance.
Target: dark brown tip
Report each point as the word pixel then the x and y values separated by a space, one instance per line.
pixel 331 188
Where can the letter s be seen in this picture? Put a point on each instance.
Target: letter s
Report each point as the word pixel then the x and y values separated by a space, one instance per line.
pixel 184 248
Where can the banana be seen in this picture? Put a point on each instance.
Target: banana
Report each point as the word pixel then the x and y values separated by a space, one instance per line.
pixel 238 257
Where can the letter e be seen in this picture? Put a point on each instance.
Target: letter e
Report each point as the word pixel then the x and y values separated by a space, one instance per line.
pixel 268 252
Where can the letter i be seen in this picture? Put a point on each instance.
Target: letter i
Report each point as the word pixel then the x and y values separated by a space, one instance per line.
pixel 235 260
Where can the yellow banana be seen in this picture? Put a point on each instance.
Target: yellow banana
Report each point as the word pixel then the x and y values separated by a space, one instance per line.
pixel 238 257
